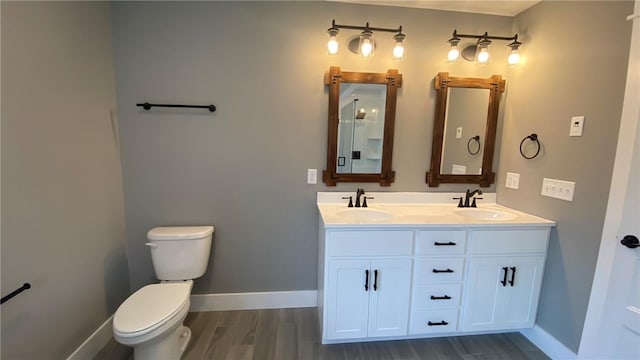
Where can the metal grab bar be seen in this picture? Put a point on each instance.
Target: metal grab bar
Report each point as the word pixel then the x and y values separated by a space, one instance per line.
pixel 148 106
pixel 15 292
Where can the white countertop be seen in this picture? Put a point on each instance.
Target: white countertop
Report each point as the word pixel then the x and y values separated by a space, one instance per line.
pixel 402 209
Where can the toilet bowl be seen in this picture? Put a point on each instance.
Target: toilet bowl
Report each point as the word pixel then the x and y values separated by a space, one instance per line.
pixel 151 319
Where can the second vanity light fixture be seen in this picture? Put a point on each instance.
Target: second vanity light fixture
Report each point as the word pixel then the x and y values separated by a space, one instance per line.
pixel 482 55
pixel 366 43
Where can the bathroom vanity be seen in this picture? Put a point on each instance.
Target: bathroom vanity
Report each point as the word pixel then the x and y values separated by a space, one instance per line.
pixel 415 265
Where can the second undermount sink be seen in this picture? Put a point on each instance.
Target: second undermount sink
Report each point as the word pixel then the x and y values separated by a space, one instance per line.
pixel 364 215
pixel 486 214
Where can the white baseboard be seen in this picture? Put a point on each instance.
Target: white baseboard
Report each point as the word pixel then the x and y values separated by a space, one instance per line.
pixel 94 343
pixel 548 344
pixel 254 300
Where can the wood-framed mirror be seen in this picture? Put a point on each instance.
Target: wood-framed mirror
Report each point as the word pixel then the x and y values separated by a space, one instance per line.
pixel 464 130
pixel 362 111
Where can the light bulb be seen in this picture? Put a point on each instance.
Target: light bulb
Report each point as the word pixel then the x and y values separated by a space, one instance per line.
pixel 483 55
pixel 514 57
pixel 332 45
pixel 398 51
pixel 366 42
pixel 454 53
pixel 366 48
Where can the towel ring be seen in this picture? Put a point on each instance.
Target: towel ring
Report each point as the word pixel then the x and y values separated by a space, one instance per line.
pixel 477 139
pixel 532 137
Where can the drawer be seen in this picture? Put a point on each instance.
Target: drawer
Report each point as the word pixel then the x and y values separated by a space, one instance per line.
pixel 486 242
pixel 433 321
pixel 441 242
pixel 436 296
pixel 439 270
pixel 370 243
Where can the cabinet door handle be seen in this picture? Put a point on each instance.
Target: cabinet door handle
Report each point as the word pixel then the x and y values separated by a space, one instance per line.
pixel 444 271
pixel 450 243
pixel 513 276
pixel 446 297
pixel 366 280
pixel 441 323
pixel 375 280
pixel 504 280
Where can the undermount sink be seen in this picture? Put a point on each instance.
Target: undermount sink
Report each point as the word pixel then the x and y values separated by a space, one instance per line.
pixel 364 214
pixel 486 214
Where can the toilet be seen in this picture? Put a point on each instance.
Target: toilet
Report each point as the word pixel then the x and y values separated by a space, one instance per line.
pixel 151 319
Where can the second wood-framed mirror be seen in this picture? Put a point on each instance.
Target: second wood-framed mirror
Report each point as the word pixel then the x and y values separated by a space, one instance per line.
pixel 464 130
pixel 362 110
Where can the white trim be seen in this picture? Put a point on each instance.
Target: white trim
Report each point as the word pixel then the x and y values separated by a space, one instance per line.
pixel 95 342
pixel 254 300
pixel 548 344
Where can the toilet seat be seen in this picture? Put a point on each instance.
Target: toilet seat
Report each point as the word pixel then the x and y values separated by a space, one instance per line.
pixel 150 308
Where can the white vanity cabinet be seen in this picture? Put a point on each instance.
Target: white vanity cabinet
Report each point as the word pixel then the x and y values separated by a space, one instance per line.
pixel 383 278
pixel 367 283
pixel 504 279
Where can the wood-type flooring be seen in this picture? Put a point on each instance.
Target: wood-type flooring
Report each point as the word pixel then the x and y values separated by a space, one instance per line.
pixel 281 334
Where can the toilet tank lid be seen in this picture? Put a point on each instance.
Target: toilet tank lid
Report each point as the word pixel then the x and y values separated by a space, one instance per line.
pixel 179 232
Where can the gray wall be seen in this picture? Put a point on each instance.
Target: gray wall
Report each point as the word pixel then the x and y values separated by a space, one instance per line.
pixel 576 62
pixel 243 168
pixel 63 224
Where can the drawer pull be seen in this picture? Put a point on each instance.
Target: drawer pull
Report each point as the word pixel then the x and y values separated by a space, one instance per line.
pixel 366 280
pixel 441 323
pixel 504 280
pixel 513 276
pixel 450 243
pixel 446 297
pixel 450 271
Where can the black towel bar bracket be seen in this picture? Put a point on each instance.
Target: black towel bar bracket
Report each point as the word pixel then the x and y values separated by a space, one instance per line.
pixel 15 292
pixel 148 106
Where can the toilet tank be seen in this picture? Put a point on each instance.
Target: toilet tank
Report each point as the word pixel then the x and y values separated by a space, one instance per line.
pixel 180 253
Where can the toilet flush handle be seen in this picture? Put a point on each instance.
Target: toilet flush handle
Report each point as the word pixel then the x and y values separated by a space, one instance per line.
pixel 152 245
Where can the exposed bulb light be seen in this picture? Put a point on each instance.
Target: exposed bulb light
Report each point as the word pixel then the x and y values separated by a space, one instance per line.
pixel 454 52
pixel 398 49
pixel 366 42
pixel 514 56
pixel 480 51
pixel 483 50
pixel 332 44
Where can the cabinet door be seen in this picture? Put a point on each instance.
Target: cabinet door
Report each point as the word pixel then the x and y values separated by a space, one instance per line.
pixel 499 298
pixel 347 304
pixel 518 309
pixel 389 297
pixel 484 291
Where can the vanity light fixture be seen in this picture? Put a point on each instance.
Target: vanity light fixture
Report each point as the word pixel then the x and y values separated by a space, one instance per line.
pixel 480 51
pixel 366 43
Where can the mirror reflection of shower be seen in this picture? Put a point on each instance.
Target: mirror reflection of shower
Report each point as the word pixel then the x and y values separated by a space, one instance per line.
pixel 361 128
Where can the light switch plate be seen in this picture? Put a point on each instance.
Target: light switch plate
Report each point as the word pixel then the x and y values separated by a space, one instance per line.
pixel 513 180
pixel 577 124
pixel 558 189
pixel 312 176
pixel 459 132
